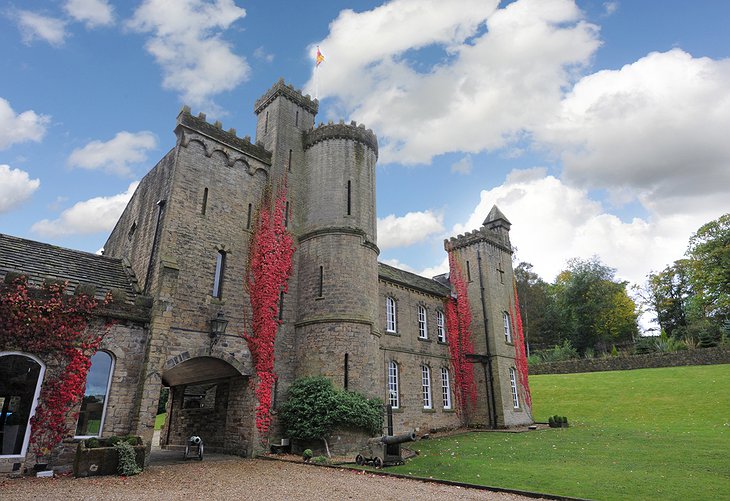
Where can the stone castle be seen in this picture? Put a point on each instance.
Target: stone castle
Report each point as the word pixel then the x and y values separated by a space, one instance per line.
pixel 176 261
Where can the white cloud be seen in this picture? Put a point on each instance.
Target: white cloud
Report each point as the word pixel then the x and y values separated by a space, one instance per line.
pixel 407 230
pixel 439 269
pixel 16 128
pixel 397 264
pixel 260 53
pixel 34 26
pixel 16 186
pixel 115 155
pixel 610 8
pixel 655 130
pixel 186 42
pixel 92 12
pixel 553 222
pixel 500 73
pixel 463 166
pixel 90 216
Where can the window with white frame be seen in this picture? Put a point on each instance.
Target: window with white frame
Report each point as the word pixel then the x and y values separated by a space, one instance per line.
pixel 393 398
pixel 507 328
pixel 426 386
pixel 422 323
pixel 446 387
pixel 390 320
pixel 93 405
pixel 440 326
pixel 513 387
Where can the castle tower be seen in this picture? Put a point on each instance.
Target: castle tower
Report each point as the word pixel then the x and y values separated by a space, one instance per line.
pixel 337 313
pixel 485 258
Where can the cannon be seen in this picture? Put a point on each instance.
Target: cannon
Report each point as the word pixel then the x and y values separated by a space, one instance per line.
pixel 385 450
pixel 194 448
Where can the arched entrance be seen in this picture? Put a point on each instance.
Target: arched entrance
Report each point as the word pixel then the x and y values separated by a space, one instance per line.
pixel 20 384
pixel 209 398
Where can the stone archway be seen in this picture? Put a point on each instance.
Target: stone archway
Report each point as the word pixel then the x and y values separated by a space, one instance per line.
pixel 209 397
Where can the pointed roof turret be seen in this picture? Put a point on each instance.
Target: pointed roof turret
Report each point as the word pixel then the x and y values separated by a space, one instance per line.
pixel 494 216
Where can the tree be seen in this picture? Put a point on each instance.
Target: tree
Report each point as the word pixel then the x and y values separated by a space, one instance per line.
pixel 709 254
pixel 533 293
pixel 314 408
pixel 667 293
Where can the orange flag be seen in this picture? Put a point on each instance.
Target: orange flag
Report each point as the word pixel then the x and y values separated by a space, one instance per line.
pixel 320 57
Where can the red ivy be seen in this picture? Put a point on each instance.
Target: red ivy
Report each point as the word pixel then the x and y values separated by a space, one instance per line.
pixel 53 324
pixel 520 354
pixel 458 322
pixel 270 265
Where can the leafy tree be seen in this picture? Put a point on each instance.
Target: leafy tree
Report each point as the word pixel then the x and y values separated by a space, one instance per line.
pixel 709 253
pixel 314 408
pixel 533 293
pixel 667 293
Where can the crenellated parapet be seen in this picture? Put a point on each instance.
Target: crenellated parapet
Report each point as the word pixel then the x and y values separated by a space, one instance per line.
pixel 280 88
pixel 353 131
pixel 483 234
pixel 214 138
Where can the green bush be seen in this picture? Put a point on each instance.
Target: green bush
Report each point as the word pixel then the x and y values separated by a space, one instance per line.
pixel 127 460
pixel 307 454
pixel 559 352
pixel 644 345
pixel 92 443
pixel 320 460
pixel 614 351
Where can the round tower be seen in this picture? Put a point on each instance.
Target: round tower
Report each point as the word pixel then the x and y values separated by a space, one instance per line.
pixel 337 309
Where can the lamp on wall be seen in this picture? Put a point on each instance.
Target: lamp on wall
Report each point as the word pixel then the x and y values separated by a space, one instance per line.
pixel 218 326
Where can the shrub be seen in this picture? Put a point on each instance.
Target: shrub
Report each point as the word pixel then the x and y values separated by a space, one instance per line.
pixel 92 443
pixel 614 351
pixel 534 359
pixel 559 352
pixel 307 454
pixel 320 460
pixel 645 345
pixel 127 460
pixel 114 440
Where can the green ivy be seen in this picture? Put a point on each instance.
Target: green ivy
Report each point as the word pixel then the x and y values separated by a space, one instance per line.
pixel 127 459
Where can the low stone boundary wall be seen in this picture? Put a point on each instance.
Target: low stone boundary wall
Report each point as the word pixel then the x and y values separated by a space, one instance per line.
pixel 701 356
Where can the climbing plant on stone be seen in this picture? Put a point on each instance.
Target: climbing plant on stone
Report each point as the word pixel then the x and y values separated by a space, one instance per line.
pixel 458 323
pixel 52 324
pixel 520 353
pixel 269 267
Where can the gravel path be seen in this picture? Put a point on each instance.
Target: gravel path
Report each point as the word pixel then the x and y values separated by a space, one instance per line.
pixel 238 479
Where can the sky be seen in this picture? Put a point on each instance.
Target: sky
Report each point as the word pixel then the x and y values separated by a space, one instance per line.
pixel 599 128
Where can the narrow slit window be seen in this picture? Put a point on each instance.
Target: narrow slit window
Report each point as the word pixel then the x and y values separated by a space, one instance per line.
pixel 132 230
pixel 347 360
pixel 281 305
pixel 286 215
pixel 205 202
pixel 248 218
pixel 220 269
pixel 266 123
pixel 468 272
pixel 296 119
pixel 321 282
pixel 289 164
pixel 349 198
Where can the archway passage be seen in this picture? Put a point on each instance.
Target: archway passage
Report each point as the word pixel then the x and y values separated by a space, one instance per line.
pixel 208 398
pixel 19 382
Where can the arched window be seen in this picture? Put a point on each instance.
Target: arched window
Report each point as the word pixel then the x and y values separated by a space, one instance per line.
pixel 393 398
pixel 507 328
pixel 20 384
pixel 390 320
pixel 446 387
pixel 422 323
pixel 93 405
pixel 426 386
pixel 440 326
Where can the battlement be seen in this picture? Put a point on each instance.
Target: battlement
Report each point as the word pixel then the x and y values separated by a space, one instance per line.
pixel 280 88
pixel 215 131
pixel 341 130
pixel 483 234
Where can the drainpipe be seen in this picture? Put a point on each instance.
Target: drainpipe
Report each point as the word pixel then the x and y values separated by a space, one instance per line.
pixel 153 252
pixel 488 366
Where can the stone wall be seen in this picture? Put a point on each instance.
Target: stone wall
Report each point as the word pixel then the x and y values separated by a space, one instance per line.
pixel 706 356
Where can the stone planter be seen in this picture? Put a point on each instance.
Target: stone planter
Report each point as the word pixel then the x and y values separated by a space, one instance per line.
pixel 102 460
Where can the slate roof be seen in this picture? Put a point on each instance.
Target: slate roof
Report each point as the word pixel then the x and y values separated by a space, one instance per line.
pixel 495 215
pixel 39 261
pixel 413 281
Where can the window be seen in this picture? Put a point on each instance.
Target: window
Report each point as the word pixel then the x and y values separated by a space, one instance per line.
pixel 426 386
pixel 132 230
pixel 220 269
pixel 393 398
pixel 296 119
pixel 281 305
pixel 321 282
pixel 468 272
pixel 507 329
pixel 349 198
pixel 20 383
pixel 513 387
pixel 422 323
pixel 446 387
pixel 248 219
pixel 266 123
pixel 93 405
pixel 205 202
pixel 390 321
pixel 286 215
pixel 440 326
pixel 289 164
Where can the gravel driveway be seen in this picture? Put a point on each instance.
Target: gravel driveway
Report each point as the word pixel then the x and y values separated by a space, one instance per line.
pixel 238 479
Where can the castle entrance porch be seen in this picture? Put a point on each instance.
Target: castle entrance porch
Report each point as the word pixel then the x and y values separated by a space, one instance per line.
pixel 209 398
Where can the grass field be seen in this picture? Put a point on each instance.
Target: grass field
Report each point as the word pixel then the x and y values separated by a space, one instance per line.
pixel 641 434
pixel 160 420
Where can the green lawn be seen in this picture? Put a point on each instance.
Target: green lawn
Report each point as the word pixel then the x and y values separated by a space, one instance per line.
pixel 160 420
pixel 642 434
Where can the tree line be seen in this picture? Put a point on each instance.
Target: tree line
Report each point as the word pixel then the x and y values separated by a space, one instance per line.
pixel 587 311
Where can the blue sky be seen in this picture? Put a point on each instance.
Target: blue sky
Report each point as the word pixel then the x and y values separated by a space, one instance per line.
pixel 598 127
